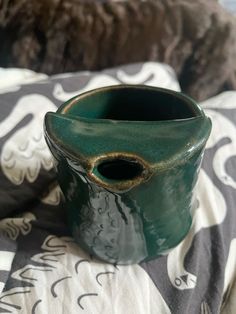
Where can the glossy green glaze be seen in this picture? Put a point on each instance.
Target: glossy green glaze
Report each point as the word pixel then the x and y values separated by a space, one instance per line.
pixel 127 159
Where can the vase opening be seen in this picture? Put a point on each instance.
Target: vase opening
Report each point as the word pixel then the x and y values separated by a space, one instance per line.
pixel 131 103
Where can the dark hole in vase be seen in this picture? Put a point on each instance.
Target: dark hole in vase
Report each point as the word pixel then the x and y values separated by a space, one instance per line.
pixel 120 169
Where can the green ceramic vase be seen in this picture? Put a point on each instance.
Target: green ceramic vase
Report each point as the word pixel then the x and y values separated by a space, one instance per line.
pixel 127 159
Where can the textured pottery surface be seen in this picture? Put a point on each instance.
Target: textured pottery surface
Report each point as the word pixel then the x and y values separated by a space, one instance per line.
pixel 127 159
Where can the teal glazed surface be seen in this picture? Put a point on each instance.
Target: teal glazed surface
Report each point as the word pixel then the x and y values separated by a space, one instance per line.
pixel 127 159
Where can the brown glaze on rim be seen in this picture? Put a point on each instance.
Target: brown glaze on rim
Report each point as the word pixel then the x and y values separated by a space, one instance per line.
pixel 71 103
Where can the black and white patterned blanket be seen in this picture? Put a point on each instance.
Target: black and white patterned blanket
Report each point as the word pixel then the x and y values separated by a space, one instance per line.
pixel 43 271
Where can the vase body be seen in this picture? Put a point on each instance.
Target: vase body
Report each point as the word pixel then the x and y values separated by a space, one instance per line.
pixel 127 159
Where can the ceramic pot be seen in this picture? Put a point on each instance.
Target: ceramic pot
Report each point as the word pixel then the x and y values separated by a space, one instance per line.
pixel 127 159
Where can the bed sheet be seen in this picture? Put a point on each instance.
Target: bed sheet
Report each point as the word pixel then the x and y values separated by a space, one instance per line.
pixel 42 270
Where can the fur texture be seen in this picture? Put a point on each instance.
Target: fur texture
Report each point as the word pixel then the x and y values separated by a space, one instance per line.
pixel 197 38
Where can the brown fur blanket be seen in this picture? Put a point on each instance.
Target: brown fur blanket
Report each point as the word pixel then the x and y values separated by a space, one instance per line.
pixel 197 38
